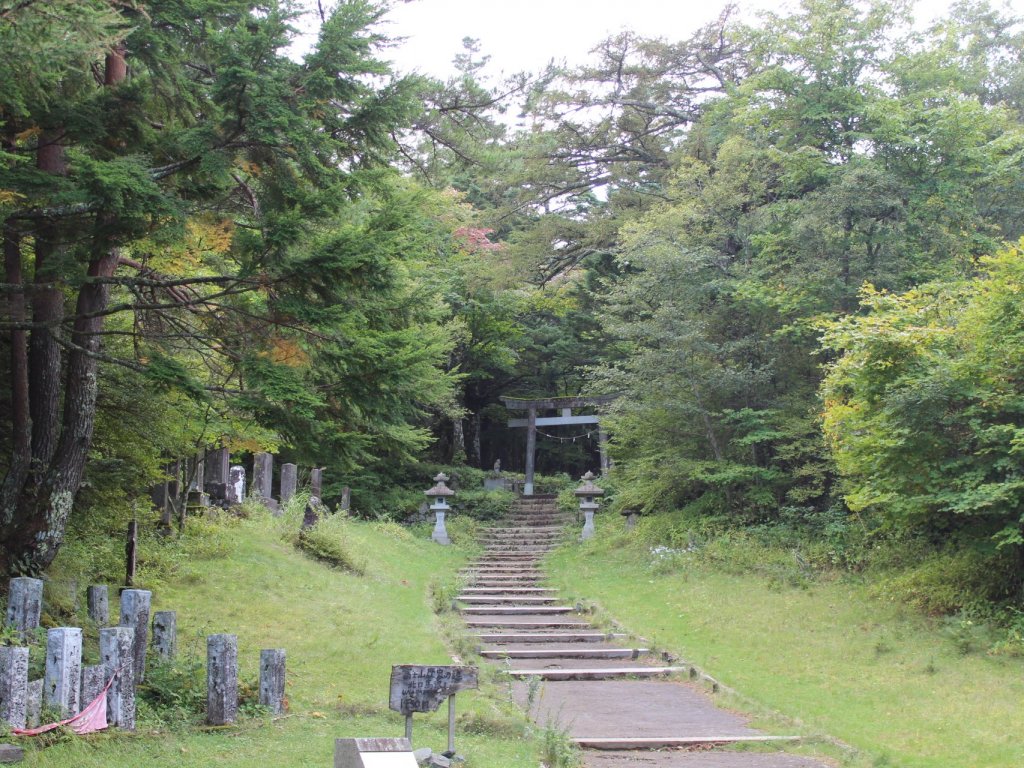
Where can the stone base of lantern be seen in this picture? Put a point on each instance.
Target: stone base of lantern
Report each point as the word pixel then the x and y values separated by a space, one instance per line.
pixel 440 534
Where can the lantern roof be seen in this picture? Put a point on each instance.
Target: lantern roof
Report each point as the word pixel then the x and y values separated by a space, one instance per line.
pixel 440 489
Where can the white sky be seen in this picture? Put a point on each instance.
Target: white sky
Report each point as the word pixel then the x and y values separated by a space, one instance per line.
pixel 527 34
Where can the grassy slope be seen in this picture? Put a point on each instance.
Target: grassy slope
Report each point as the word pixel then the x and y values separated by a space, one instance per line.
pixel 843 664
pixel 342 634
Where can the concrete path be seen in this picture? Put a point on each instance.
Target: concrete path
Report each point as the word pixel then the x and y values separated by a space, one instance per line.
pixel 622 705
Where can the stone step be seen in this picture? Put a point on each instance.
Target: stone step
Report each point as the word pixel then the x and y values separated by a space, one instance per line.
pixel 595 673
pixel 523 591
pixel 537 622
pixel 624 743
pixel 506 600
pixel 554 529
pixel 563 653
pixel 512 610
pixel 520 542
pixel 546 637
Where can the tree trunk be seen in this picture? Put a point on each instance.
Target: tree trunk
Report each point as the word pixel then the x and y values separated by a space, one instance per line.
pixel 477 457
pixel 34 524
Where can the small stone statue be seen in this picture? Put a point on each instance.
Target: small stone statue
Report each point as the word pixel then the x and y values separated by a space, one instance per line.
pixel 497 467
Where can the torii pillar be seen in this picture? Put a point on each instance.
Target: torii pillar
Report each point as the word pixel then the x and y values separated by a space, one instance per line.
pixel 564 406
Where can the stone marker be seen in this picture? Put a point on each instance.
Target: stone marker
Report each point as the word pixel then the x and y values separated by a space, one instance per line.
pixel 24 605
pixel 289 481
pixel 34 703
pixel 216 473
pixel 135 615
pixel 9 753
pixel 13 685
pixel 196 472
pixel 98 600
pixel 117 656
pixel 263 475
pixel 373 753
pixel 93 680
pixel 630 515
pixel 346 499
pixel 221 679
pixel 314 511
pixel 165 634
pixel 236 485
pixel 316 482
pixel 63 681
pixel 272 676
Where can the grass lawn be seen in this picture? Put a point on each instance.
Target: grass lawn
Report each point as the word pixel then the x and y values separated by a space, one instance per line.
pixel 827 657
pixel 342 633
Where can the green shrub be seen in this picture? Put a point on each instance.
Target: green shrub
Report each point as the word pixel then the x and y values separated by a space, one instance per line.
pixel 483 505
pixel 327 541
pixel 947 583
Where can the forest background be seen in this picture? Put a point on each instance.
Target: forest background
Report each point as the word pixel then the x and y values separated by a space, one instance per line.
pixel 792 247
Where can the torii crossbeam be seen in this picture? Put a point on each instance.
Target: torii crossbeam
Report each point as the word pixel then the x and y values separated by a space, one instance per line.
pixel 564 406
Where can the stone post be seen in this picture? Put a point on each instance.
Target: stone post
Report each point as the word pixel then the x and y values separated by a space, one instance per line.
pixel 439 506
pixel 24 605
pixel 98 601
pixel 165 634
pixel 63 680
pixel 221 679
pixel 289 481
pixel 272 676
pixel 14 686
pixel 236 485
pixel 263 475
pixel 135 615
pixel 93 680
pixel 346 499
pixel 316 482
pixel 117 656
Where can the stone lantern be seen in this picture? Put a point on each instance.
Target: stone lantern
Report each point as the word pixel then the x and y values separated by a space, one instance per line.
pixel 630 514
pixel 589 496
pixel 438 496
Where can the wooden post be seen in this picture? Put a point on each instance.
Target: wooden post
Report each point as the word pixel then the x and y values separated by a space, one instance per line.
pixel 63 680
pixel 14 685
pixel 135 615
pixel 129 553
pixel 98 601
pixel 24 605
pixel 272 678
pixel 531 450
pixel 116 653
pixel 165 634
pixel 221 679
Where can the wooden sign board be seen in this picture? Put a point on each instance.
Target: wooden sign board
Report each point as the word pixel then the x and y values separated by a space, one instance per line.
pixel 416 688
pixel 373 753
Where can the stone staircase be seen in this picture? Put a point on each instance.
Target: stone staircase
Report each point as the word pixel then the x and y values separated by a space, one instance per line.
pixel 615 697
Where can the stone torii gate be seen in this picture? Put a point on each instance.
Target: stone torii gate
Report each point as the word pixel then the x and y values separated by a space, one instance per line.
pixel 564 406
